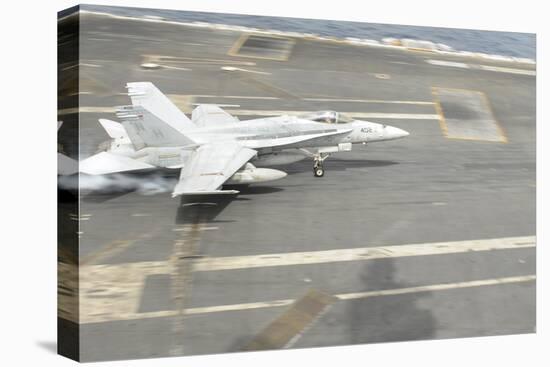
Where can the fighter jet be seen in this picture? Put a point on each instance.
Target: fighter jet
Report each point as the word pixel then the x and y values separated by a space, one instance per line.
pixel 214 148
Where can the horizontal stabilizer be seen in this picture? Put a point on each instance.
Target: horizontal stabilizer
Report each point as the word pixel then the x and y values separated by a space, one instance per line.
pixel 114 129
pixel 104 163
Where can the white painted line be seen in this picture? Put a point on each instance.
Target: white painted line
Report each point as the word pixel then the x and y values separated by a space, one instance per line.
pixel 437 287
pixel 382 76
pixel 481 67
pixel 90 65
pixel 359 115
pixel 360 254
pixel 112 291
pixel 125 313
pixel 507 70
pixel 314 99
pixel 232 68
pixel 448 63
pixel 239 97
pixel 174 68
pixel 381 101
pixel 401 63
pixel 81 64
pixel 219 105
pixel 209 228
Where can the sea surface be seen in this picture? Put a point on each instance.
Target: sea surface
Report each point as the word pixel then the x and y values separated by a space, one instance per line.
pixel 491 42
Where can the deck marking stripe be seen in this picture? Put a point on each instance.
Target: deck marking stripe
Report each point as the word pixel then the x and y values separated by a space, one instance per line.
pixel 498 69
pixel 439 110
pixel 381 101
pixel 312 99
pixel 484 127
pixel 359 254
pixel 233 97
pixel 507 70
pixel 438 287
pixel 379 115
pixel 286 329
pixel 113 291
pixel 448 63
pixel 121 315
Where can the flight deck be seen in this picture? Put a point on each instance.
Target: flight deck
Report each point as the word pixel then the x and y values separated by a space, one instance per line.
pixel 427 237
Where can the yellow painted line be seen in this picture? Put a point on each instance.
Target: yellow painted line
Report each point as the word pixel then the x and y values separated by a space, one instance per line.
pixel 485 101
pixel 235 49
pixel 112 248
pixel 69 111
pixel 439 110
pixel 420 50
pixel 123 314
pixel 193 60
pixel 288 327
pixel 360 254
pixel 237 45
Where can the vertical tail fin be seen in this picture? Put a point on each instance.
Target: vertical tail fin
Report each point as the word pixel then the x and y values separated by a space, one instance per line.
pixel 146 95
pixel 146 129
pixel 153 120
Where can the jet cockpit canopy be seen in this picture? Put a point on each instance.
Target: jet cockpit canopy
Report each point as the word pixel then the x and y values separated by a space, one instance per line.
pixel 328 117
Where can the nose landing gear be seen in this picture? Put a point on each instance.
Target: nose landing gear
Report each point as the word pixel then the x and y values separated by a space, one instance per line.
pixel 318 159
pixel 318 170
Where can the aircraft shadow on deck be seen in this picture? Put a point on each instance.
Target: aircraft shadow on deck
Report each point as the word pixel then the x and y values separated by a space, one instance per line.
pixel 205 208
pixel 335 165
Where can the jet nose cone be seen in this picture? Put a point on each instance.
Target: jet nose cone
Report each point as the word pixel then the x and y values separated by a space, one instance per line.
pixel 396 133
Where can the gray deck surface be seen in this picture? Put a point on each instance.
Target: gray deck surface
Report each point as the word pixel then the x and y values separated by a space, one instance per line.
pixel 423 189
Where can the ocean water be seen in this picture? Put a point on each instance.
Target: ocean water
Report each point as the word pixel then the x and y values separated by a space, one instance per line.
pixel 491 42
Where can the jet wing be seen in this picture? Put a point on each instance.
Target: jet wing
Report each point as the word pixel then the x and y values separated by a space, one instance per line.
pixel 105 162
pixel 209 166
pixel 211 115
pixel 265 142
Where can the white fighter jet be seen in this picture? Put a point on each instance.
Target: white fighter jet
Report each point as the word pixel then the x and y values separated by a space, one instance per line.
pixel 214 148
